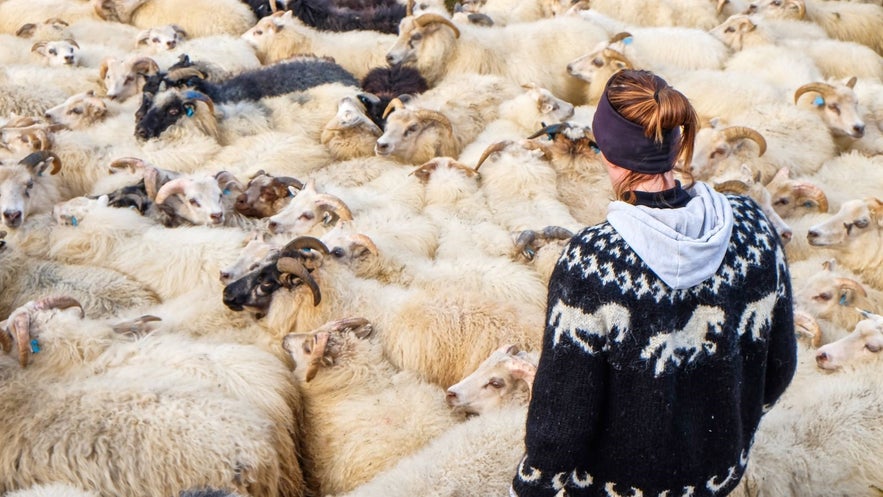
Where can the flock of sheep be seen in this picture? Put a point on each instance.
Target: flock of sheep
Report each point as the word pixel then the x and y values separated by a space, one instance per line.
pixel 302 249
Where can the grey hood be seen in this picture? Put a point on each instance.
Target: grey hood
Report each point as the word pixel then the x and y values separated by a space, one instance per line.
pixel 683 246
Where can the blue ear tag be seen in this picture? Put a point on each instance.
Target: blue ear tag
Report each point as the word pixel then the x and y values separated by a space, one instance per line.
pixel 843 299
pixel 595 148
pixel 226 192
pixel 627 40
pixel 189 111
pixel 35 346
pixel 819 101
pixel 74 221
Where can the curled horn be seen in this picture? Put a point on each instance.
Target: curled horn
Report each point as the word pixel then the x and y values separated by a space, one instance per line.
pixel 330 203
pixel 619 37
pixel 812 192
pixel 437 117
pixel 851 82
pixel 424 172
pixel 36 47
pixel 35 159
pixel 823 88
pixel 185 72
pixel 801 8
pixel 5 340
pixel 360 326
pixel 851 283
pixel 720 5
pixel 426 19
pixel 20 328
pixel 409 8
pixel 551 130
pixel 366 242
pixel 611 54
pixel 732 186
pixel 294 267
pixel 494 148
pixel 133 164
pixel 151 179
pixel 58 302
pixel 523 242
pixel 227 181
pixel 556 233
pixel 288 181
pixel 394 104
pixel 172 187
pixel 304 242
pixel 145 65
pixel 807 325
pixel 736 132
pixel 56 20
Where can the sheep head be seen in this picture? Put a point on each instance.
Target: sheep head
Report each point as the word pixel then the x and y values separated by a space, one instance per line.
pixel 792 197
pixel 257 248
pixel 736 32
pixel 832 295
pixel 778 9
pixel 715 145
pixel 197 199
pixel 414 136
pixel 116 10
pixel 836 104
pixel 59 52
pixel 161 38
pixel 123 78
pixel 747 182
pixel 856 225
pixel 426 42
pixel 528 242
pixel 266 195
pixel 22 331
pixel 23 186
pixel 351 132
pixel 307 210
pixel 864 343
pixel 347 245
pixel 322 347
pixel 503 378
pixel 78 111
pixel 289 269
pixel 50 29
pixel 173 107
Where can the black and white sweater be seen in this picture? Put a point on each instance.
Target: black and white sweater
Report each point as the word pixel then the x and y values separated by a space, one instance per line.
pixel 647 391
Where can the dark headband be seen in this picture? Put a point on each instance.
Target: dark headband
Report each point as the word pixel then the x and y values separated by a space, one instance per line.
pixel 624 143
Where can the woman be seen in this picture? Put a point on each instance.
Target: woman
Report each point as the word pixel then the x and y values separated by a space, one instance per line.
pixel 669 327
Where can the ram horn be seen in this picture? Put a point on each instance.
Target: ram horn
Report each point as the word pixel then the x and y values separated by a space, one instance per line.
pixel 812 192
pixel 5 339
pixel 303 242
pixel 37 158
pixel 494 148
pixel 288 181
pixel 801 8
pixel 807 325
pixel 852 284
pixel 409 8
pixel 58 302
pixel 330 203
pixel 36 47
pixel 720 5
pixel 227 181
pixel 173 187
pixel 732 186
pixel 824 88
pixel 524 241
pixel 363 241
pixel 185 72
pixel 424 172
pixel 361 327
pixel 737 132
pixel 851 82
pixel 556 233
pixel 394 104
pixel 551 130
pixel 151 180
pixel 202 97
pixel 610 54
pixel 294 267
pixel 425 19
pixel 145 65
pixel 619 37
pixel 133 164
pixel 20 329
pixel 436 117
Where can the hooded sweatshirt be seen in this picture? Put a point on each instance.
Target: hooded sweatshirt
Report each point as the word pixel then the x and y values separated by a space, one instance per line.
pixel 668 333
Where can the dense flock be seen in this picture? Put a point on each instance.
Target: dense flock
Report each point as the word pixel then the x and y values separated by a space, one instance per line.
pixel 302 249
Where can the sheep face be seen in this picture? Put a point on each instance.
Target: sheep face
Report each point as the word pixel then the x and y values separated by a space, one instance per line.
pixel 19 142
pixel 58 53
pixel 78 111
pixel 266 195
pixel 502 378
pixel 277 36
pixel 197 200
pixel 324 346
pixel 73 211
pixel 23 186
pixel 778 9
pixel 254 290
pixel 50 29
pixel 746 183
pixel 415 136
pixel 350 133
pixel 826 293
pixel 256 253
pixel 837 106
pixel 714 145
pixel 735 31
pixel 856 219
pixel 598 65
pixel 26 323
pixel 307 210
pixel 425 42
pixel 794 198
pixel 864 343
pixel 172 107
pixel 345 244
pixel 123 78
pixel 161 39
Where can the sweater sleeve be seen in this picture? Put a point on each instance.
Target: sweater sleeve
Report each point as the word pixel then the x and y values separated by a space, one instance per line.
pixel 567 392
pixel 782 354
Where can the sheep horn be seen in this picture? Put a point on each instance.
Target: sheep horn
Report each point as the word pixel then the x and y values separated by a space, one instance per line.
pixel 366 242
pixel 303 242
pixel 330 203
pixel 851 82
pixel 737 132
pixel 135 327
pixel 801 8
pixel 434 116
pixel 288 181
pixel 172 187
pixel 131 163
pixel 823 88
pixel 145 65
pixel 294 267
pixel 360 326
pixel 611 54
pixel 20 328
pixel 806 324
pixel 732 186
pixel 720 5
pixel 851 283
pixel 37 46
pixel 58 302
pixel 35 159
pixel 619 37
pixel 151 179
pixel 812 192
pixel 227 181
pixel 496 147
pixel 525 238
pixel 185 72
pixel 195 95
pixel 394 104
pixel 425 19
pixel 424 172
pixel 551 130
pixel 409 8
pixel 5 340
pixel 556 233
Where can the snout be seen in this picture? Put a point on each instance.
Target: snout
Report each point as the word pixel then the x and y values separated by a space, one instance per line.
pixel 383 148
pixel 142 133
pixel 451 398
pixel 217 217
pixel 785 236
pixel 12 218
pixel 235 301
pixel 858 130
pixel 69 59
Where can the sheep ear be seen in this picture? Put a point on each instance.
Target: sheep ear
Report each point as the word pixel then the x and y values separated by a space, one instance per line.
pixel 829 265
pixel 26 30
pixel 179 30
pixel 40 48
pixel 143 37
pixel 103 200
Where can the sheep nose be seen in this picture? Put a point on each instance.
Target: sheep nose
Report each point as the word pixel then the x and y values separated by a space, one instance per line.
pixel 822 358
pixel 171 44
pixel 812 234
pixel 217 217
pixel 13 218
pixel 273 226
pixel 68 59
pixel 382 148
pixel 570 68
pixel 225 276
pixel 786 236
pixel 451 398
pixel 391 60
pixel 859 130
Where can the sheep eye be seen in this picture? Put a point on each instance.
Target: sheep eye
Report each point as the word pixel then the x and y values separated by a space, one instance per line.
pixel 411 129
pixel 194 202
pixel 781 201
pixel 76 110
pixel 308 349
pixel 496 383
pixel 730 29
pixel 29 185
pixel 52 51
pixel 777 2
pixel 598 63
pixel 156 40
pixel 307 216
pixel 872 347
pixel 824 296
pixel 861 223
pixel 128 79
pixel 266 286
pixel 834 108
pixel 338 252
pixel 174 111
pixel 416 36
pixel 258 32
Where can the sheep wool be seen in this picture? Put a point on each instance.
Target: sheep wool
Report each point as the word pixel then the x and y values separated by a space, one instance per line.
pixel 640 385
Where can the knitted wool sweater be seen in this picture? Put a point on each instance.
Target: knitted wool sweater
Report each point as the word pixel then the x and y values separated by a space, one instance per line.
pixel 644 390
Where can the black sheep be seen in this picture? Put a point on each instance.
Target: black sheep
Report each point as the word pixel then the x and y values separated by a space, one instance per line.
pixel 386 83
pixel 323 15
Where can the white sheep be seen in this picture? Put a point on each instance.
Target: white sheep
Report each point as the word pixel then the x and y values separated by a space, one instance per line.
pixel 199 18
pixel 837 176
pixel 863 344
pixel 838 106
pixel 438 48
pixel 349 387
pixel 855 231
pixel 29 187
